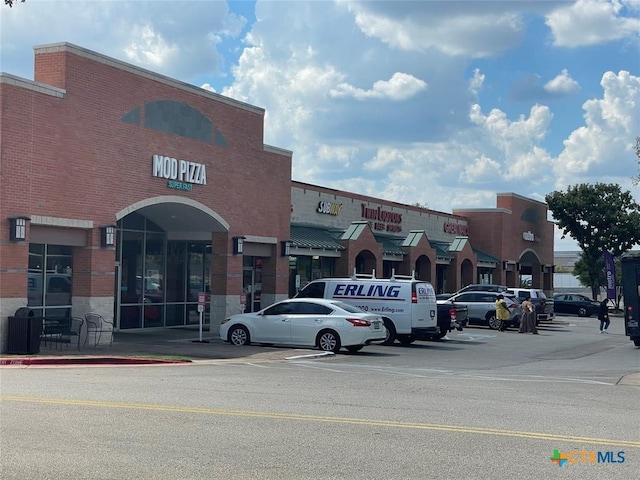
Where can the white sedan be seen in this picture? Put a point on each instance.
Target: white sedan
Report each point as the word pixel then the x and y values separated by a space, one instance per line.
pixel 326 324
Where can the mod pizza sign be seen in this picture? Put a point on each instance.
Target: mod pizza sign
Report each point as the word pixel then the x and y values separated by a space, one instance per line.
pixel 180 173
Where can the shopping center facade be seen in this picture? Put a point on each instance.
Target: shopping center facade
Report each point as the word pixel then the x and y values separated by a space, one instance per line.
pixel 128 193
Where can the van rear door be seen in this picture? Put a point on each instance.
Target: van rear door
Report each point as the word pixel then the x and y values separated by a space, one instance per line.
pixel 424 307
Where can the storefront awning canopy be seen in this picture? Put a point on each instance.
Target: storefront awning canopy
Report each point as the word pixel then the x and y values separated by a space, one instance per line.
pixel 441 248
pixel 311 237
pixel 390 246
pixel 485 257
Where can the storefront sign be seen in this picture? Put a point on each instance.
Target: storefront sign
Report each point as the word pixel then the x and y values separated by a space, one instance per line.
pixel 180 171
pixel 530 237
pixel 456 228
pixel 384 220
pixel 329 208
pixel 179 185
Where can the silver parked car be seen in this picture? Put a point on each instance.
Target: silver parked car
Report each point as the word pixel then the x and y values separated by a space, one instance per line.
pixel 482 308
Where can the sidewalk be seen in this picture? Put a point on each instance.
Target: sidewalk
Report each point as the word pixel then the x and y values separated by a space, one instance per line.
pixel 175 345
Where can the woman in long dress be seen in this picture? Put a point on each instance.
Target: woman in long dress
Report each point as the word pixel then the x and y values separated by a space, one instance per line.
pixel 528 322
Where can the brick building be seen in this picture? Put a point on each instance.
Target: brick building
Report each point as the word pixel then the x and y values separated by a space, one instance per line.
pixel 126 193
pixel 336 233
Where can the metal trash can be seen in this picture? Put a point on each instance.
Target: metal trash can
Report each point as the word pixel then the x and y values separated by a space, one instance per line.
pixel 24 330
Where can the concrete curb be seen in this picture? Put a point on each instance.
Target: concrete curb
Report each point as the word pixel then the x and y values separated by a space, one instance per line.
pixel 630 380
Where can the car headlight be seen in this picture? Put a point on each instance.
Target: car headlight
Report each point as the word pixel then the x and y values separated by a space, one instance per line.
pixel 224 321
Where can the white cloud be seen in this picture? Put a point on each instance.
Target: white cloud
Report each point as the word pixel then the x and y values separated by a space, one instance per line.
pixel 517 141
pixel 399 87
pixel 591 22
pixel 471 30
pixel 476 82
pixel 482 169
pixel 603 146
pixel 562 84
pixel 178 39
pixel 149 48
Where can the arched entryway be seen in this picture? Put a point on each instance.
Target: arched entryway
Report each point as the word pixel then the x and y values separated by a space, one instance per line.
pixel 423 268
pixel 466 273
pixel 530 270
pixel 163 260
pixel 366 262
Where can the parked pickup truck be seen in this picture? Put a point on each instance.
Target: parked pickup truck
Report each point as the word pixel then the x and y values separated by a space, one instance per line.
pixel 545 311
pixel 450 316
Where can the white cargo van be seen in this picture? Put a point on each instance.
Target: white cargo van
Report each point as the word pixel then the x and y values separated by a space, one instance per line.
pixel 407 306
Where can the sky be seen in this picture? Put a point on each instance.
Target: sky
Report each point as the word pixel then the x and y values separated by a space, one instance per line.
pixel 441 103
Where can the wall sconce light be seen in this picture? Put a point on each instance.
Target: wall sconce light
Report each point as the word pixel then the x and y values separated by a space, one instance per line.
pixel 238 245
pixel 286 247
pixel 108 235
pixel 18 228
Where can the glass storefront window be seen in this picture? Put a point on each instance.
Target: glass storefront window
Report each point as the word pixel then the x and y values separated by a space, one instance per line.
pixel 160 279
pixel 308 268
pixel 50 279
pixel 131 267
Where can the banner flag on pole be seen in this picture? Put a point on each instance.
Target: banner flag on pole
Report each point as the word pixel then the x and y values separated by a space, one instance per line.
pixel 610 272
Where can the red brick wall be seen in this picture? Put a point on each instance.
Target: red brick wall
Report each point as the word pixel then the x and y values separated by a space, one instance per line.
pixel 74 158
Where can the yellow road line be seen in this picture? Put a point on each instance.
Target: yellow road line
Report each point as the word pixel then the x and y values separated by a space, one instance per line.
pixel 316 418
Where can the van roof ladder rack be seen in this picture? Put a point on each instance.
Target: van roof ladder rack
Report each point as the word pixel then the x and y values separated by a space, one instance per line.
pixel 402 277
pixel 371 275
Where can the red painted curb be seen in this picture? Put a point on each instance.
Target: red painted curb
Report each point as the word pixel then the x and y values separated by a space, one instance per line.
pixel 86 361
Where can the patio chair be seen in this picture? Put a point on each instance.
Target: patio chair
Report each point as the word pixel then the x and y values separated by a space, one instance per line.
pixel 75 330
pixel 98 326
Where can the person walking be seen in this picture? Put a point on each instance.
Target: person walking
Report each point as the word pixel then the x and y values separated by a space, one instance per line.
pixel 603 315
pixel 528 321
pixel 502 312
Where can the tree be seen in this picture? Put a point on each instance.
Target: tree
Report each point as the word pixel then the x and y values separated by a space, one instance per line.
pixel 599 217
pixel 11 2
pixel 636 180
pixel 581 272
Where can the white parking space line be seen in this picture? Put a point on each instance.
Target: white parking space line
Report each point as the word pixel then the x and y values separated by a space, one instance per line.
pixel 312 355
pixel 442 374
pixel 475 336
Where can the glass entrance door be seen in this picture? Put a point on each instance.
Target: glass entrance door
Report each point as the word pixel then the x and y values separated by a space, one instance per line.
pixel 252 283
pixel 247 288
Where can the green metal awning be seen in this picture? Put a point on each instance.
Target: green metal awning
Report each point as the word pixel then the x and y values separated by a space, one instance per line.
pixel 391 245
pixel 485 257
pixel 312 237
pixel 441 248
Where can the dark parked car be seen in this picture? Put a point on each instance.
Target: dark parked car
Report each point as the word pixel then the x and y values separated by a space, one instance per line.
pixel 575 304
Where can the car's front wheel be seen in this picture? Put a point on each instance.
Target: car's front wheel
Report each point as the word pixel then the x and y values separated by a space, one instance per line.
pixel 328 341
pixel 582 312
pixel 239 335
pixel 493 322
